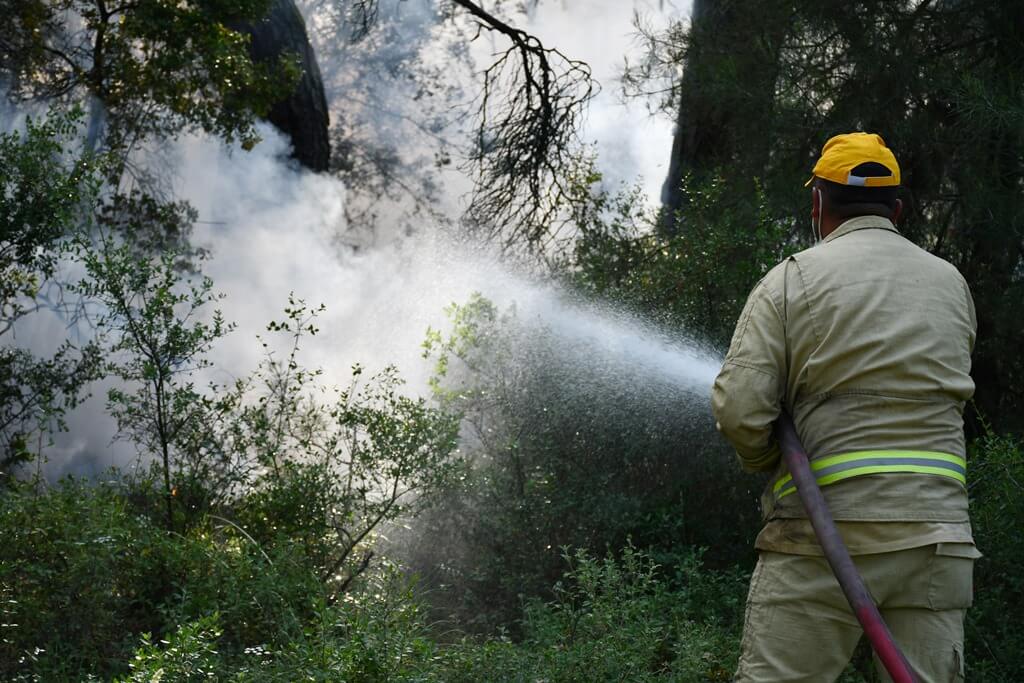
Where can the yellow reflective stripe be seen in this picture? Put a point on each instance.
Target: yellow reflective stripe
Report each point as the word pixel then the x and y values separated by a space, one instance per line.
pixel 876 467
pixel 828 461
pixel 879 469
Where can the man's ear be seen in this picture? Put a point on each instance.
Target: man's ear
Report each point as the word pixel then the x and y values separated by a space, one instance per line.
pixel 898 211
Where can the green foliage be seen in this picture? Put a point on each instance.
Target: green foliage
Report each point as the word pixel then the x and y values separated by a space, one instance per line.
pixel 331 474
pixel 324 476
pixel 376 635
pixel 43 187
pixel 564 450
pixel 89 587
pixel 697 278
pixel 35 394
pixel 263 505
pixel 473 339
pixel 615 620
pixel 151 223
pixel 336 474
pixel 149 70
pixel 79 573
pixel 995 642
pixel 608 606
pixel 84 575
pixel 157 67
pixel 187 655
pixel 158 342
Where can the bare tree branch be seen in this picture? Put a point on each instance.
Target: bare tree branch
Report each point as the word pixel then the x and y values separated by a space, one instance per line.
pixel 527 145
pixel 363 15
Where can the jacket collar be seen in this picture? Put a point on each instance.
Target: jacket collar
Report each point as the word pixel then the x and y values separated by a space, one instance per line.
pixel 861 223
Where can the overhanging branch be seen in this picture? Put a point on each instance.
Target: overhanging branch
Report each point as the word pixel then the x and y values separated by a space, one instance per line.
pixel 527 145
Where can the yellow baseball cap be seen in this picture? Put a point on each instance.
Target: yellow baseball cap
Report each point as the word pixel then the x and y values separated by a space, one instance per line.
pixel 843 153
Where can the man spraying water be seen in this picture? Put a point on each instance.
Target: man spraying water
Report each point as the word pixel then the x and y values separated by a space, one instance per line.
pixel 866 340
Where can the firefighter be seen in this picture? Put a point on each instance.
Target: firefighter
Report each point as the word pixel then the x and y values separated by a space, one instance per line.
pixel 866 340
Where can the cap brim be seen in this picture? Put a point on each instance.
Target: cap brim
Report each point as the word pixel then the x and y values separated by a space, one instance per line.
pixel 808 183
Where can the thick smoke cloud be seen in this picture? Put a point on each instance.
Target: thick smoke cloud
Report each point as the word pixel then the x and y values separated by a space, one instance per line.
pixel 272 228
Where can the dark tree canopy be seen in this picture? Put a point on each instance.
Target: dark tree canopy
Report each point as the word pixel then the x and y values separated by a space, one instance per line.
pixel 765 85
pixel 156 68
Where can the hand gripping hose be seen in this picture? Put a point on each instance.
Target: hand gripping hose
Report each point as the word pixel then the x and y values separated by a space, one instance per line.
pixel 837 555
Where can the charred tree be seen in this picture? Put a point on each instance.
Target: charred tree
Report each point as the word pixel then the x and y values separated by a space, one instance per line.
pixel 303 114
pixel 725 96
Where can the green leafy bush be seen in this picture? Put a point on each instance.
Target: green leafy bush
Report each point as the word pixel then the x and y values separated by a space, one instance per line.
pixel 567 448
pixel 80 574
pixel 188 655
pixel 697 277
pixel 995 643
pixel 616 620
pixel 278 548
pixel 84 578
pixel 376 635
pixel 44 185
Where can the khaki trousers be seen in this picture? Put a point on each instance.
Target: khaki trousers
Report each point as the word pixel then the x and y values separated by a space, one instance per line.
pixel 800 629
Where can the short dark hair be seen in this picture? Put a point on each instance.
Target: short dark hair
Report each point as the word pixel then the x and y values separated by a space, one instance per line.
pixel 849 201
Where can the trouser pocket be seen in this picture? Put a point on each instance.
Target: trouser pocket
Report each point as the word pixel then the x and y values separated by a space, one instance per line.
pixel 951 578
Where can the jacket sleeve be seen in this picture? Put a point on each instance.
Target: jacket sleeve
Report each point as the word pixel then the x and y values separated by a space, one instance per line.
pixel 748 392
pixel 972 315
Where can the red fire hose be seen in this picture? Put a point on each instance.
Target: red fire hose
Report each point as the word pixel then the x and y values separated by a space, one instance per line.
pixel 837 555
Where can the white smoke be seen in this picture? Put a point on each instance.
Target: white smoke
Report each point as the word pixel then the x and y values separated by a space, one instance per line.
pixel 272 228
pixel 398 100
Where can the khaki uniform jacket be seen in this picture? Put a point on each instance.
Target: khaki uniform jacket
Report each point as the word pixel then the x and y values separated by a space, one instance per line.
pixel 866 340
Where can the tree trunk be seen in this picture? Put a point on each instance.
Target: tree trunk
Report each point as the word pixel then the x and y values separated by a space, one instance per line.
pixel 725 97
pixel 302 116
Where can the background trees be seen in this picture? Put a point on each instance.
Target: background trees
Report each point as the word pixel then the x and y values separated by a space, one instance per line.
pixel 569 513
pixel 764 87
pixel 153 68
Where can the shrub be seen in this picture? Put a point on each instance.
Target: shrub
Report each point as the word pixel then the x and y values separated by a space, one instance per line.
pixel 187 656
pixel 615 620
pixel 44 183
pixel 80 575
pixel 377 635
pixel 995 643
pixel 84 574
pixel 568 447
